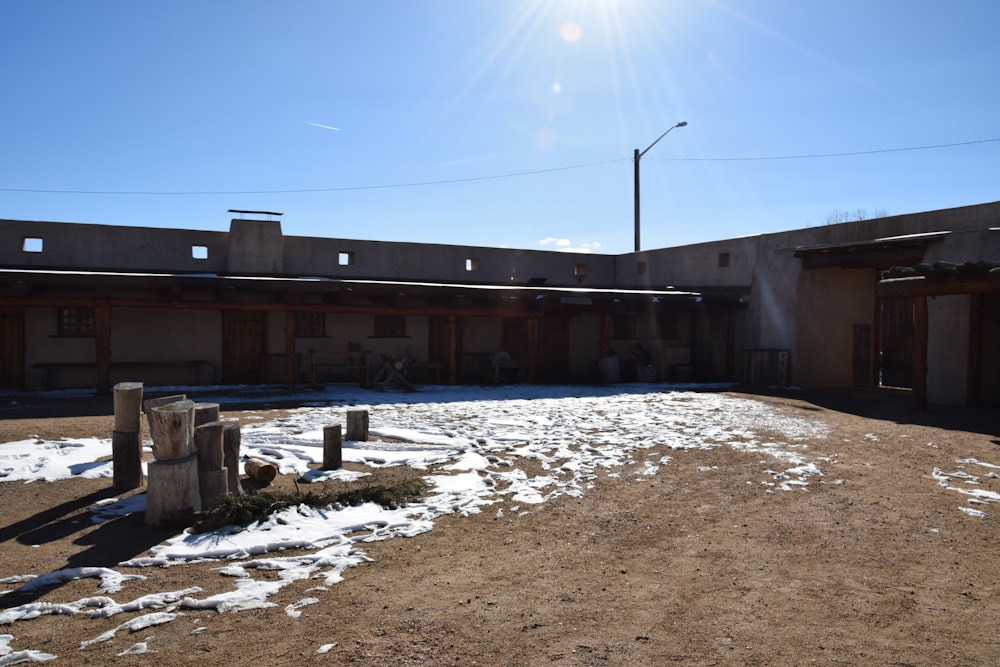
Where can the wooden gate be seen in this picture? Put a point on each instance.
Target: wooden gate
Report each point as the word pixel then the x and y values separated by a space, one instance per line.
pixel 244 339
pixel 12 347
pixel 896 342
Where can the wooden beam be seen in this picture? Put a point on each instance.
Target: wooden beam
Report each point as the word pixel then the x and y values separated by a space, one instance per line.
pixel 924 286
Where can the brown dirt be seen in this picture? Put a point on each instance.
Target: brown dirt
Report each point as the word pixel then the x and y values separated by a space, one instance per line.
pixel 872 565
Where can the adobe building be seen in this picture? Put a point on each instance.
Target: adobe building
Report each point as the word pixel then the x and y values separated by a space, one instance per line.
pixel 902 301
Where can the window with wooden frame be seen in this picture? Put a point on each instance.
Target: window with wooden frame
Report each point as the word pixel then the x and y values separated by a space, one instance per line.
pixel 390 326
pixel 310 325
pixel 75 322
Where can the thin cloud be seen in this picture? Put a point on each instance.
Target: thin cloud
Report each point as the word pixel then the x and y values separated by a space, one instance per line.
pixel 566 245
pixel 325 127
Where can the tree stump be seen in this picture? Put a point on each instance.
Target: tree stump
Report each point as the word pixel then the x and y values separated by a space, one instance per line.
pixel 212 484
pixel 151 403
pixel 333 453
pixel 128 407
pixel 208 444
pixel 126 439
pixel 205 412
pixel 172 495
pixel 126 460
pixel 231 453
pixel 172 426
pixel 357 425
pixel 260 471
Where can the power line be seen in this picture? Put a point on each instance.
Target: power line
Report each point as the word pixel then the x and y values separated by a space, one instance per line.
pixel 825 155
pixel 470 179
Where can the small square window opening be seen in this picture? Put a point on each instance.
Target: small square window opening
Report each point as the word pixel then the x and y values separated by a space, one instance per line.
pixel 723 260
pixel 472 264
pixel 199 252
pixel 32 244
pixel 345 258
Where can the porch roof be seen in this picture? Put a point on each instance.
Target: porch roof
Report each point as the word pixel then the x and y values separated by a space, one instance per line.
pixel 180 290
pixel 875 253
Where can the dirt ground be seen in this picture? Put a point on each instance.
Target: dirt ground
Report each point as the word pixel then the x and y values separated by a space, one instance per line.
pixel 701 564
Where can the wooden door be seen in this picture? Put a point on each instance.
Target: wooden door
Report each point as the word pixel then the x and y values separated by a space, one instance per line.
pixel 552 358
pixel 244 342
pixel 440 348
pixel 12 347
pixel 514 338
pixel 896 342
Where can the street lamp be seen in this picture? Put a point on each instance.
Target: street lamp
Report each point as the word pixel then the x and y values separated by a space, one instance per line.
pixel 637 156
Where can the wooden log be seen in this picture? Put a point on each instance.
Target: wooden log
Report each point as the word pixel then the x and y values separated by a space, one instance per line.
pixel 205 412
pixel 333 453
pixel 231 453
pixel 172 426
pixel 212 484
pixel 208 445
pixel 172 493
pixel 151 403
pixel 126 455
pixel 260 471
pixel 128 407
pixel 357 425
pixel 126 440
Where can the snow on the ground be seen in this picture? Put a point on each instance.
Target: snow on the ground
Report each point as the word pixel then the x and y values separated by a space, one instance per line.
pixel 467 442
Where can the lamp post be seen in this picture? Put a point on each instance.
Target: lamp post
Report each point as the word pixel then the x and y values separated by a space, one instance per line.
pixel 637 156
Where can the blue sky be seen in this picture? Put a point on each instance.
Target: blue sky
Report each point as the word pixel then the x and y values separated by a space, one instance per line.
pixel 498 122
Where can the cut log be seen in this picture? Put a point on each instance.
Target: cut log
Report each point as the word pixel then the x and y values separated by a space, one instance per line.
pixel 333 453
pixel 126 440
pixel 205 412
pixel 172 426
pixel 212 484
pixel 128 407
pixel 126 455
pixel 151 403
pixel 260 471
pixel 172 493
pixel 208 444
pixel 231 453
pixel 357 425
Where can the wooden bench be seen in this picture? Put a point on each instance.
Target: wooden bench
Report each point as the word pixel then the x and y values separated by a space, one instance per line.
pixel 352 365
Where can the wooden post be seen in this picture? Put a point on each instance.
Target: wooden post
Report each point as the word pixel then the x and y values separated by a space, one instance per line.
pixel 102 346
pixel 452 349
pixel 357 425
pixel 290 369
pixel 333 453
pixel 212 474
pixel 231 454
pixel 126 440
pixel 920 352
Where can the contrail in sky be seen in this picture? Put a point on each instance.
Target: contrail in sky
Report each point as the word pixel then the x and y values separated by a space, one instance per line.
pixel 325 127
